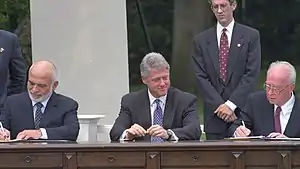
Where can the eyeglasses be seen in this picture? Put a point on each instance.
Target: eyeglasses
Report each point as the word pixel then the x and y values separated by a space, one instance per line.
pixel 215 8
pixel 275 90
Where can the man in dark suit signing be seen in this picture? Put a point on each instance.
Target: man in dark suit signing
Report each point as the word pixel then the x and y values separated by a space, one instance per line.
pixel 12 66
pixel 274 112
pixel 227 61
pixel 40 113
pixel 159 112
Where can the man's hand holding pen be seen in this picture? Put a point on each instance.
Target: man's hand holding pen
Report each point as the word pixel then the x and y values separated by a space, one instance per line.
pixel 4 133
pixel 242 131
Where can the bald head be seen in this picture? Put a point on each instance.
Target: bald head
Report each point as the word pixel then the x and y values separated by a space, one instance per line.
pixel 44 69
pixel 282 71
pixel 42 80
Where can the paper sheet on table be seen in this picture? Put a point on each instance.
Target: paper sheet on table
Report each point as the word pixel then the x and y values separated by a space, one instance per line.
pixel 9 141
pixel 262 138
pixel 36 141
pixel 281 139
pixel 246 138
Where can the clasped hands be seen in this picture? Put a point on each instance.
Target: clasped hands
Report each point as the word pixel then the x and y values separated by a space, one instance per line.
pixel 243 131
pixel 225 113
pixel 23 135
pixel 138 131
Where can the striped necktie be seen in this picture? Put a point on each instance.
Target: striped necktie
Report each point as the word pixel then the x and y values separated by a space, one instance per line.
pixel 38 115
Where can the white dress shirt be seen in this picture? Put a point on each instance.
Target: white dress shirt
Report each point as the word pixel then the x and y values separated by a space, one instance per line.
pixel 153 104
pixel 285 113
pixel 44 103
pixel 229 31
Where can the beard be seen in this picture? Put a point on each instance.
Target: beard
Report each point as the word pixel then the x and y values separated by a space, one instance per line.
pixel 40 98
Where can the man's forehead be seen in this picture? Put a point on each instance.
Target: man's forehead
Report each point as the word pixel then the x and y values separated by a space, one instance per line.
pixel 278 71
pixel 220 1
pixel 277 78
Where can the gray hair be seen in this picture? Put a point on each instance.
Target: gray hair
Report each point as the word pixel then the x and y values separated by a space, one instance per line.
pixel 230 1
pixel 54 73
pixel 153 61
pixel 292 70
pixel 53 68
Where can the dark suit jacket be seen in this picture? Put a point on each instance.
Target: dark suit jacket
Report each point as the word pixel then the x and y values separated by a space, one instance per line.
pixel 59 118
pixel 12 66
pixel 242 71
pixel 259 117
pixel 180 114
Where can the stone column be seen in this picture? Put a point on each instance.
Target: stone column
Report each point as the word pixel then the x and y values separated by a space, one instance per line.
pixel 87 40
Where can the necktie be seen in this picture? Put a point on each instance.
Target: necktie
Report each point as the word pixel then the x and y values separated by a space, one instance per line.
pixel 38 115
pixel 277 125
pixel 223 54
pixel 157 119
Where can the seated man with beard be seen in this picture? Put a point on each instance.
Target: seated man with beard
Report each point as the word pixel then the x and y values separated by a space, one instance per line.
pixel 40 113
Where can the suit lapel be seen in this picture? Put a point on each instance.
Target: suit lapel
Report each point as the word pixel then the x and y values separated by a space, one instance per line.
pixel 293 123
pixel 168 112
pixel 213 49
pixel 3 52
pixel 50 107
pixel 236 45
pixel 267 119
pixel 144 117
pixel 28 117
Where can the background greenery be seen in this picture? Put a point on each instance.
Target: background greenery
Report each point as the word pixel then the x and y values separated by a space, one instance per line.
pixel 172 24
pixel 14 17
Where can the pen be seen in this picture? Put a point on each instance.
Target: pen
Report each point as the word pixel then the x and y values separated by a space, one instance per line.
pixel 243 123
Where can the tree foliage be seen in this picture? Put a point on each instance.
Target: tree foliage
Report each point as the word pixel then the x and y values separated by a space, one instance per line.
pixel 279 26
pixel 14 17
pixel 158 15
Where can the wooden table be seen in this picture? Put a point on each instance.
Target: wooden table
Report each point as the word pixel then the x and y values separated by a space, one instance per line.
pixel 134 155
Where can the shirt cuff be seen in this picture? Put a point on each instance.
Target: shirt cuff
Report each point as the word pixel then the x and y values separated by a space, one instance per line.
pixel 173 136
pixel 231 105
pixel 44 133
pixel 122 137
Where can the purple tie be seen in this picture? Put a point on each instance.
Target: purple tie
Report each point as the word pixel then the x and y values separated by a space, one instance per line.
pixel 277 120
pixel 223 54
pixel 157 119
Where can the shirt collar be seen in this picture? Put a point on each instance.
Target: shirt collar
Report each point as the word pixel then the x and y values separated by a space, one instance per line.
pixel 44 103
pixel 288 106
pixel 152 98
pixel 229 27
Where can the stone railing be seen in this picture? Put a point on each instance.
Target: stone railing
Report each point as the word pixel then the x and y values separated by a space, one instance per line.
pixel 89 127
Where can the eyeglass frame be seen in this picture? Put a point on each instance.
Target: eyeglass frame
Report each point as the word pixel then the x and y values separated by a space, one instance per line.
pixel 215 8
pixel 275 90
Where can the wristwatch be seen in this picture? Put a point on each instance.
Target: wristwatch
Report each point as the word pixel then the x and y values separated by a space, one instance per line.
pixel 170 134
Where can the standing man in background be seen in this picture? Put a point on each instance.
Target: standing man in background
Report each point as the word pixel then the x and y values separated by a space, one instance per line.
pixel 12 66
pixel 227 59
